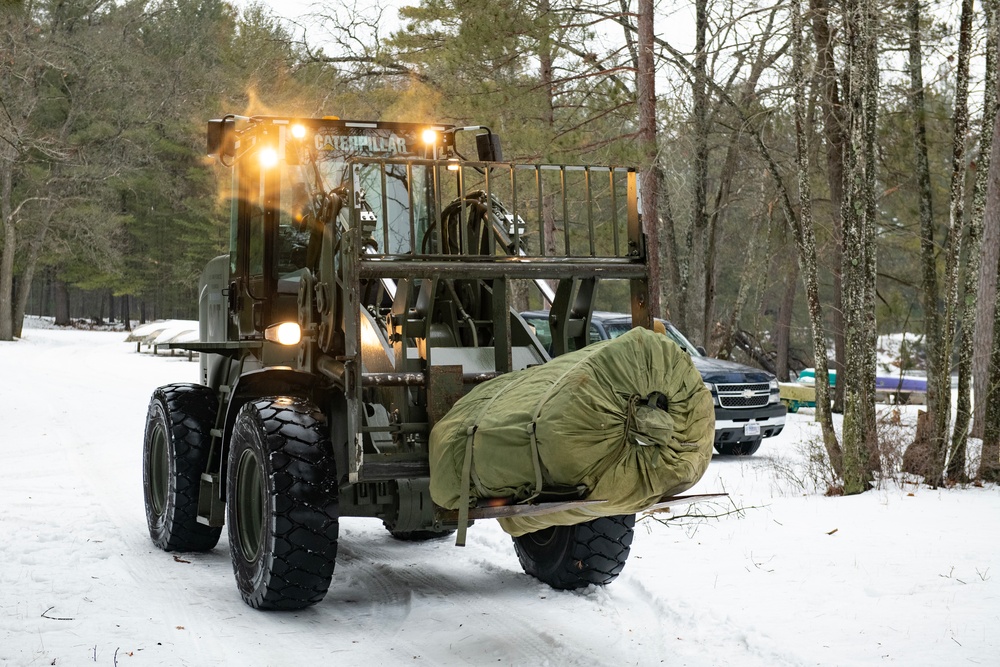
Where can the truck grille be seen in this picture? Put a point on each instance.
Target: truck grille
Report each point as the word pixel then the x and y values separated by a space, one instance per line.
pixel 740 396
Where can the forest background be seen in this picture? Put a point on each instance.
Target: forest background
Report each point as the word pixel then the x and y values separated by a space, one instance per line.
pixel 813 172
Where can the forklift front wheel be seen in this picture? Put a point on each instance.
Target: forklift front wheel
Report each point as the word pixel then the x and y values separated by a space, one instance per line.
pixel 282 508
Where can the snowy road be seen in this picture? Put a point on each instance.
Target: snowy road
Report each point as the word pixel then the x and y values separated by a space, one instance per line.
pixel 794 579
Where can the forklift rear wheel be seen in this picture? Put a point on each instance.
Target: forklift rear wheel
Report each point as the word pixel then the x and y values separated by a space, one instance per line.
pixel 569 557
pixel 282 509
pixel 175 453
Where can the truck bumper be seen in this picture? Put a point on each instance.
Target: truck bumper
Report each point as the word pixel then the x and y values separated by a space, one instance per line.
pixel 742 425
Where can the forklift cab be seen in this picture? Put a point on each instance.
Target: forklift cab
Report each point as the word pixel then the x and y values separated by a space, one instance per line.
pixel 292 177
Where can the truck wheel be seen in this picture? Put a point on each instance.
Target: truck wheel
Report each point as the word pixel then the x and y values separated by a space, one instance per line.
pixel 282 507
pixel 739 448
pixel 568 557
pixel 174 454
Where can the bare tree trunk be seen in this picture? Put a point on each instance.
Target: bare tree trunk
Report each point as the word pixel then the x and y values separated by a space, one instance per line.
pixel 953 249
pixel 693 279
pixel 989 463
pixel 663 232
pixel 62 303
pixel 836 137
pixel 668 251
pixel 751 268
pixel 990 243
pixel 805 237
pixel 783 326
pixel 957 456
pixel 30 266
pixel 21 300
pixel 721 197
pixel 929 286
pixel 127 312
pixel 9 244
pixel 651 177
pixel 859 430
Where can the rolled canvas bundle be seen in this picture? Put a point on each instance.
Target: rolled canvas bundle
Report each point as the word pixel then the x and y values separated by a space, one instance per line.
pixel 625 421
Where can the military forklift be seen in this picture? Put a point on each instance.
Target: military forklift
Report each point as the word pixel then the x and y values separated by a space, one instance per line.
pixel 368 286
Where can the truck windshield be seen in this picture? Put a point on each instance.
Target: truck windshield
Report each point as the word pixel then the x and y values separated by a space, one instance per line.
pixel 616 329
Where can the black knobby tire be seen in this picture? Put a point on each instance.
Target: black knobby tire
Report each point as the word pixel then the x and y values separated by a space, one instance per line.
pixel 739 448
pixel 175 453
pixel 282 506
pixel 569 557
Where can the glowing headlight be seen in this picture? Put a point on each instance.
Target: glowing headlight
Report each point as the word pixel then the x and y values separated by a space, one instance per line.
pixel 429 137
pixel 298 131
pixel 268 157
pixel 453 165
pixel 286 333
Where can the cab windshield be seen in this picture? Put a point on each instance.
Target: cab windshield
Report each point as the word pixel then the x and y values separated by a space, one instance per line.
pixel 393 197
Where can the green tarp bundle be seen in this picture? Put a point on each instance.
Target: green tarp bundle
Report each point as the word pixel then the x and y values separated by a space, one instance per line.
pixel 627 421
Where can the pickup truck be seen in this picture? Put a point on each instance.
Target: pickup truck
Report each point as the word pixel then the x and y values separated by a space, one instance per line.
pixel 747 403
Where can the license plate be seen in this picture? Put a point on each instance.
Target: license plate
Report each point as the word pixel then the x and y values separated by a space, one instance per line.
pixel 753 428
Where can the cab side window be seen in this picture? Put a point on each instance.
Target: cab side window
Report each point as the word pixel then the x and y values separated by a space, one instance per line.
pixel 255 204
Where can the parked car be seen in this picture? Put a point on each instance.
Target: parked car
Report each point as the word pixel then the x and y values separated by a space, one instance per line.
pixel 747 404
pixel 902 388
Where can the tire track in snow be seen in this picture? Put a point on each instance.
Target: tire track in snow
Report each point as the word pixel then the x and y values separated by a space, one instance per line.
pixel 487 612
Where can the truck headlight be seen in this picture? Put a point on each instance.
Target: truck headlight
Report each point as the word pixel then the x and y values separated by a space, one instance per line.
pixel 775 391
pixel 286 333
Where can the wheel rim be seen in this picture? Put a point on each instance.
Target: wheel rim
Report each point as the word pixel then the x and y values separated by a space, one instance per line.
pixel 541 538
pixel 158 470
pixel 249 506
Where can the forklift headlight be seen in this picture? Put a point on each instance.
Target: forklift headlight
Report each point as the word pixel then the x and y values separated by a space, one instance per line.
pixel 429 137
pixel 268 157
pixel 286 333
pixel 298 131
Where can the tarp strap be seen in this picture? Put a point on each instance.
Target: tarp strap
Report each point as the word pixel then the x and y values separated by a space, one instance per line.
pixel 535 457
pixel 463 499
pixel 535 461
pixel 463 502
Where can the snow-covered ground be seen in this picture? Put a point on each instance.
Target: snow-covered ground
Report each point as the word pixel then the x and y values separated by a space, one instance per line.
pixel 784 576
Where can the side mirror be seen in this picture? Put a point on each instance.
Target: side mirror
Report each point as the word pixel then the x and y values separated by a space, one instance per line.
pixel 221 138
pixel 488 147
pixel 702 351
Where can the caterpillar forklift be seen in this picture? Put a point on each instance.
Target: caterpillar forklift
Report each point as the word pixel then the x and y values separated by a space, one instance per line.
pixel 368 286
